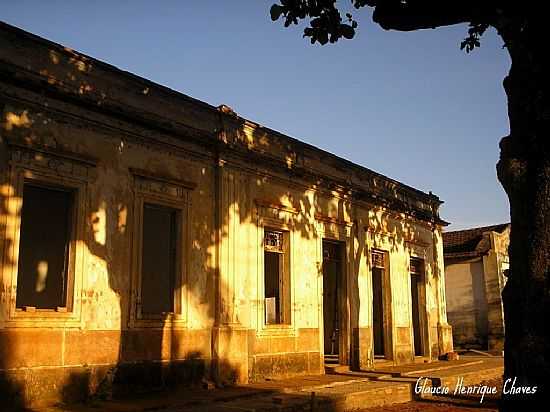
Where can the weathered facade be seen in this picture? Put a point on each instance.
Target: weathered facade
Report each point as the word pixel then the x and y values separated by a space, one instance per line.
pixel 476 261
pixel 149 239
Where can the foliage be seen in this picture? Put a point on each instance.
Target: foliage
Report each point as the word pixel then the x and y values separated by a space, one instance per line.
pixel 327 22
pixel 475 31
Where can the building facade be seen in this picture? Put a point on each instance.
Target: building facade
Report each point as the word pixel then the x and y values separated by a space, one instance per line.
pixel 476 262
pixel 148 239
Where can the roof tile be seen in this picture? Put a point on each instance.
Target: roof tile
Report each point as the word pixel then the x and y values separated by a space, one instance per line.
pixel 463 243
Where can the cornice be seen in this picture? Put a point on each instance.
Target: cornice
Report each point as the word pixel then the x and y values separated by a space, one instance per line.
pixel 278 206
pixel 360 183
pixel 163 179
pixel 328 219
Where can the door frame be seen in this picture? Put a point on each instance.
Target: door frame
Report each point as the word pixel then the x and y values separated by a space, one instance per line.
pixel 340 293
pixel 344 336
pixel 387 323
pixel 422 307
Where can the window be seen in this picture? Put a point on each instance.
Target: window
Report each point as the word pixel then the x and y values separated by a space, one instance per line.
pixel 276 277
pixel 160 250
pixel 46 209
pixel 44 247
pixel 158 259
pixel 377 259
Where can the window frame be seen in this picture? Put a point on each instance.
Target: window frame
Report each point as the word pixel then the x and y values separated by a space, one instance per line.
pixel 387 298
pixel 422 283
pixel 336 230
pixel 45 168
pixel 71 241
pixel 278 218
pixel 173 194
pixel 285 308
pixel 384 242
pixel 178 264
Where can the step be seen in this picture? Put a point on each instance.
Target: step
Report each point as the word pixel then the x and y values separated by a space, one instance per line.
pixel 345 392
pixel 336 397
pixel 469 377
pixel 440 367
pixel 335 369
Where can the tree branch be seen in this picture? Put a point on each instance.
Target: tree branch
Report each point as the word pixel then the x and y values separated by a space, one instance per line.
pixel 326 23
pixel 407 15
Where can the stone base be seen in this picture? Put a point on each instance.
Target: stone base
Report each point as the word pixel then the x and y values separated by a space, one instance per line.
pixel 40 386
pixel 230 364
pixel 284 365
pixel 362 349
pixel 444 338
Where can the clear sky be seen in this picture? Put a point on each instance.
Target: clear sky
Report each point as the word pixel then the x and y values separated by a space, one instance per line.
pixel 412 106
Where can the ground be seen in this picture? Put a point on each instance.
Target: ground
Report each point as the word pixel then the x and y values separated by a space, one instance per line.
pixel 449 403
pixel 341 389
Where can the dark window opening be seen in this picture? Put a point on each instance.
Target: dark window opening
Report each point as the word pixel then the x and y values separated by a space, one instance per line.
pixel 42 271
pixel 276 279
pixel 158 264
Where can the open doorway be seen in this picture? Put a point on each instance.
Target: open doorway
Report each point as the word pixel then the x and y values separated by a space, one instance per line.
pixel 417 296
pixel 333 288
pixel 378 317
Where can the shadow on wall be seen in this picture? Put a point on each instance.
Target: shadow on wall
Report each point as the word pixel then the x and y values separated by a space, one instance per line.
pixel 12 395
pixel 130 379
pixel 157 357
pixel 11 391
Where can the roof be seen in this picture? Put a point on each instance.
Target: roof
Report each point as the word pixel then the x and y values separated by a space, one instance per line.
pixel 142 102
pixel 466 243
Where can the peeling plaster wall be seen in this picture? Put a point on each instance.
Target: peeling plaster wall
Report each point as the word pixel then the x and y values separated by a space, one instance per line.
pixel 474 288
pixel 99 335
pixel 464 305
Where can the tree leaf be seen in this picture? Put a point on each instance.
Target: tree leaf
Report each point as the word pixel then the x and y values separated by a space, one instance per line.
pixel 275 12
pixel 347 31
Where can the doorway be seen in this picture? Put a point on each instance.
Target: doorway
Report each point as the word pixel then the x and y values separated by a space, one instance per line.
pixel 378 274
pixel 333 287
pixel 417 277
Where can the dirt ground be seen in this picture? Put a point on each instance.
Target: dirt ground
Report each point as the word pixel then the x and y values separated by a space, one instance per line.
pixel 448 403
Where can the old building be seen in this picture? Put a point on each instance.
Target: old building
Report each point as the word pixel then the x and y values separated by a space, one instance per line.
pixel 148 238
pixel 476 261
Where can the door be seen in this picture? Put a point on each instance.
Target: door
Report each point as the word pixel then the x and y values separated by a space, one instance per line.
pixel 377 312
pixel 332 282
pixel 417 270
pixel 378 273
pixel 416 316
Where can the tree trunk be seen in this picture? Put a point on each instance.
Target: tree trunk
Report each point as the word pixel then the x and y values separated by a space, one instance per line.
pixel 524 171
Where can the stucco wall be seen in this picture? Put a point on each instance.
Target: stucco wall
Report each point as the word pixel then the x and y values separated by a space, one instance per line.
pixel 474 287
pixel 466 303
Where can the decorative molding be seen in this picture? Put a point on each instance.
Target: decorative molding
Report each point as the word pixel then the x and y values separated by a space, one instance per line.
pixel 332 230
pixel 55 162
pixel 155 184
pixel 417 243
pixel 277 206
pixel 381 233
pixel 327 219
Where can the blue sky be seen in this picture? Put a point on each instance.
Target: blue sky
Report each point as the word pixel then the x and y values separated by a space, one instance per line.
pixel 412 106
